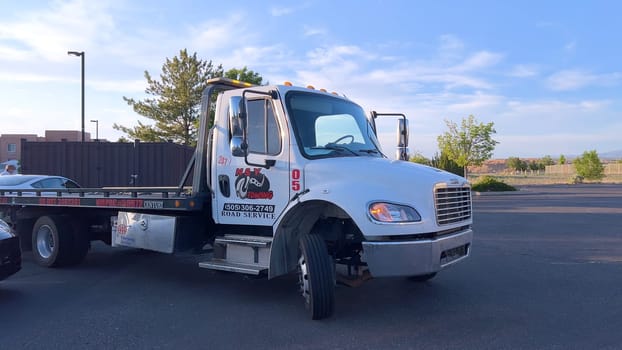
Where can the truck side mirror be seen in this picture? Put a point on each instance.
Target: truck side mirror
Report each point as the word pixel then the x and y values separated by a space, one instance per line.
pixel 402 138
pixel 237 126
pixel 402 132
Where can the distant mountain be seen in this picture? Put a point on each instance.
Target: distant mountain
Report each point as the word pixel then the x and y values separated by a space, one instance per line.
pixel 611 155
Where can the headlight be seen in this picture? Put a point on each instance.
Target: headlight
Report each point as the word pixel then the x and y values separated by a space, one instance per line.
pixel 389 212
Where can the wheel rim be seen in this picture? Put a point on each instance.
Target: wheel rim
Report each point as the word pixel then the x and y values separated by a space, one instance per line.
pixel 45 241
pixel 303 279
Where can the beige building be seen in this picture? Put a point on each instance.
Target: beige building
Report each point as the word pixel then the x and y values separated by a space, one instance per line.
pixel 10 144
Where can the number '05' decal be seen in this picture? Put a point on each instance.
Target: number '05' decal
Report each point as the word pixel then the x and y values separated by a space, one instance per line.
pixel 295 180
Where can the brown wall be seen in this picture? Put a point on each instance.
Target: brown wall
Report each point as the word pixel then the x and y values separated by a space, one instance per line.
pixel 108 164
pixel 13 139
pixel 66 135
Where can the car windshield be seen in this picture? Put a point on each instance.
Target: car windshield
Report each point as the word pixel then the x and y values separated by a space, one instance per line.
pixel 327 126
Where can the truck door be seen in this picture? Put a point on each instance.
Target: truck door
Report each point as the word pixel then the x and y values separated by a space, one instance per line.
pixel 248 193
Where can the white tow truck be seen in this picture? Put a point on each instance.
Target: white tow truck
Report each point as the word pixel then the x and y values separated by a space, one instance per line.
pixel 287 180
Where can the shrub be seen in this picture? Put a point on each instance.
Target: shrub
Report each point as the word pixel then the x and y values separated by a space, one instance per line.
pixel 589 166
pixel 490 184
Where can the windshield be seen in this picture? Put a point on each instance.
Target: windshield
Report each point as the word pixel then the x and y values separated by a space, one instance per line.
pixel 327 126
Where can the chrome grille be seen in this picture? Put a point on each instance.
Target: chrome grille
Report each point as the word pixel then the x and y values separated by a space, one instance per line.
pixel 453 204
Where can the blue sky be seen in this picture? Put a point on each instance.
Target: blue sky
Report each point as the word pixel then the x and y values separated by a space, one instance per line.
pixel 547 73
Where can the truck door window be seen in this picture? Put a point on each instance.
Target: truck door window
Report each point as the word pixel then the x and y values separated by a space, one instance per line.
pixel 263 134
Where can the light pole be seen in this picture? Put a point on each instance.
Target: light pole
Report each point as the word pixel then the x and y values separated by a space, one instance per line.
pixel 96 128
pixel 81 55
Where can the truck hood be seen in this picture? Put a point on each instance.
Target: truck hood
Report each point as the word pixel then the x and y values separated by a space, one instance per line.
pixel 394 176
pixel 353 183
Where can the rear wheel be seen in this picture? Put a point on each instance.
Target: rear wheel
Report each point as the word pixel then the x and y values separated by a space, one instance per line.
pixel 54 243
pixel 316 277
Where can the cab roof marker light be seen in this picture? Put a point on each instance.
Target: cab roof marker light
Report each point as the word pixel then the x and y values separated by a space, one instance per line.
pixel 335 93
pixel 287 83
pixel 323 90
pixel 229 82
pixel 241 82
pixel 310 87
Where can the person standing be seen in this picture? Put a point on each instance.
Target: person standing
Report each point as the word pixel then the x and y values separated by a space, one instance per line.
pixel 9 169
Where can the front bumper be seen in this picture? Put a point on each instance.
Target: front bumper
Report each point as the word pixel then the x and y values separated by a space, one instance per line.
pixel 10 257
pixel 413 258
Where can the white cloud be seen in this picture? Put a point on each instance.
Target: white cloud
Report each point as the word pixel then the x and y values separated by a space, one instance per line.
pixel 258 58
pixel 121 86
pixel 477 61
pixel 281 11
pixel 429 75
pixel 221 33
pixel 567 80
pixel 12 54
pixel 31 77
pixel 473 103
pixel 337 55
pixel 50 33
pixel 450 47
pixel 313 31
pixel 524 71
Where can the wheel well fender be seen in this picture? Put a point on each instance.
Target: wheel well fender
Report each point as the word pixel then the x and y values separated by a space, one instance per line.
pixel 300 220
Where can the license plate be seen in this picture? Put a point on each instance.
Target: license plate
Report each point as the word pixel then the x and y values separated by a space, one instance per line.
pixel 453 254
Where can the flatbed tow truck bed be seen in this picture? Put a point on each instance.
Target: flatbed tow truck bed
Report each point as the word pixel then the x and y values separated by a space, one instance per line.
pixel 157 198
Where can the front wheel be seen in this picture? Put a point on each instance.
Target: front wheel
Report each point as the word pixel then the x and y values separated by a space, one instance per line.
pixel 316 277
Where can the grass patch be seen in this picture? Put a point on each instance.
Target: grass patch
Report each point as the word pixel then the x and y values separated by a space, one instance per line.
pixel 542 179
pixel 490 184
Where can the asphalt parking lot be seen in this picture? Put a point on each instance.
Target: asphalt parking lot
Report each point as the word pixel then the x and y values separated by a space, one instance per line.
pixel 545 273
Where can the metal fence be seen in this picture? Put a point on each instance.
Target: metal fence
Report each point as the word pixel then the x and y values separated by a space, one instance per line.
pixel 613 169
pixel 108 164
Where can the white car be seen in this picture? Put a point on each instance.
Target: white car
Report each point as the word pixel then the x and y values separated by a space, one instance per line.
pixel 27 182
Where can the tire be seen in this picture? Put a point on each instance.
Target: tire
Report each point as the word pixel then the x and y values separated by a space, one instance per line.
pixel 422 278
pixel 81 243
pixel 316 277
pixel 52 241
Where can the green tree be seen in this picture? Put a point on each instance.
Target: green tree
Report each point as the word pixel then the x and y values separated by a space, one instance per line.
pixel 442 161
pixel 562 159
pixel 589 166
pixel 471 144
pixel 534 166
pixel 174 102
pixel 245 75
pixel 544 162
pixel 419 159
pixel 547 160
pixel 515 163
